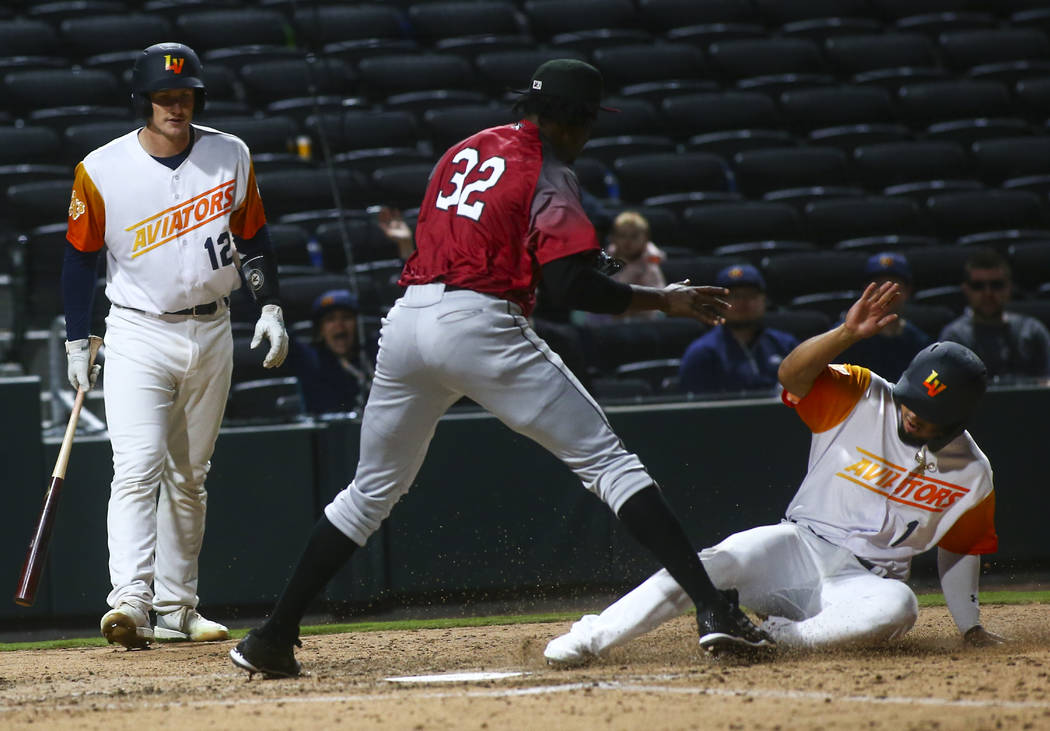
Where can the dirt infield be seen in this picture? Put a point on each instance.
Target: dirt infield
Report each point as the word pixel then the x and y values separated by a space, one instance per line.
pixel 927 681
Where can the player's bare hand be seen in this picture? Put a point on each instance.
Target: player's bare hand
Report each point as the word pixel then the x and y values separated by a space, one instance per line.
pixel 393 225
pixel 271 327
pixel 873 310
pixel 705 304
pixel 978 636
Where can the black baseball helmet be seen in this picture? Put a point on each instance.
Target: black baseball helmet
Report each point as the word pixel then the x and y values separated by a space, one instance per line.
pixel 166 66
pixel 942 385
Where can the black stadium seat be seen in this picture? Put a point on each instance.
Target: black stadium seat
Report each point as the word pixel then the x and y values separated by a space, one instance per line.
pixel 762 171
pixel 831 221
pixel 742 59
pixel 957 214
pixel 648 175
pixel 503 70
pixel 39 202
pixel 449 125
pixel 431 21
pixel 26 90
pixel 29 143
pixel 661 16
pixel 634 116
pixel 891 163
pixel 781 12
pixel 360 128
pixel 809 109
pixel 204 30
pixel 968 49
pixel 25 37
pixel 1000 159
pixel 268 80
pixel 261 134
pixel 402 186
pixel 80 139
pixel 322 24
pixel 718 224
pixel 857 54
pixel 292 191
pixel 1030 263
pixel 389 75
pixel 792 275
pixel 607 149
pixel 925 103
pixel 693 114
pixel 801 323
pixel 94 34
pixel 551 17
pixel 634 64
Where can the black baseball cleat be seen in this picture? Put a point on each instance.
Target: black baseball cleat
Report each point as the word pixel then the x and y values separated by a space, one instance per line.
pixel 726 630
pixel 258 654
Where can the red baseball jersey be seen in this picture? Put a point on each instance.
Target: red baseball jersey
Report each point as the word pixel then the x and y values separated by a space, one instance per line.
pixel 498 207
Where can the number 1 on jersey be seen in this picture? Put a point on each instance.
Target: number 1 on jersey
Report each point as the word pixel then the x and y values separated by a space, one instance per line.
pixel 495 166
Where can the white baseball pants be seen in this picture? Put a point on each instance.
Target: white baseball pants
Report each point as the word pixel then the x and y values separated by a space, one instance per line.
pixel 815 594
pixel 167 379
pixel 436 346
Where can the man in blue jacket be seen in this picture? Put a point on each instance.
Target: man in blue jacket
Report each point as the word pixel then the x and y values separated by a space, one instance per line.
pixel 743 354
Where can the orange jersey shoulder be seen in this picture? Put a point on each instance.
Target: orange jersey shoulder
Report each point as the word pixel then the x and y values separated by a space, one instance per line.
pixel 250 217
pixel 86 227
pixel 831 399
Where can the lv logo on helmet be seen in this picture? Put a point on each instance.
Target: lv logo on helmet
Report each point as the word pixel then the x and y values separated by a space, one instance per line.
pixel 933 385
pixel 173 64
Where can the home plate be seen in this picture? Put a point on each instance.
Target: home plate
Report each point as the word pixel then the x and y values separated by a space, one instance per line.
pixel 454 677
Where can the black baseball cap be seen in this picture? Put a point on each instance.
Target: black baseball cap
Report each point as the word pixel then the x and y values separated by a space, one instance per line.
pixel 568 78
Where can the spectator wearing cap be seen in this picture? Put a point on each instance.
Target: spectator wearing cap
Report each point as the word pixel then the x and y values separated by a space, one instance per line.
pixel 1010 344
pixel 742 354
pixel 333 373
pixel 889 352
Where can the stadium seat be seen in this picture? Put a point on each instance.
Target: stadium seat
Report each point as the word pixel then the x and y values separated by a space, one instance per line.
pixel 744 59
pixel 204 30
pixel 890 163
pixel 727 144
pixel 927 316
pixel 654 372
pixel 551 17
pixel 698 269
pixel 782 12
pixel 833 305
pixel 323 24
pixel 934 24
pixel 968 131
pixel 762 171
pixel 449 125
pixel 268 81
pixel 355 51
pixel 660 16
pixel 1030 263
pixel 703 35
pixel 679 202
pixel 44 252
pixel 26 37
pixel 635 116
pixel 39 202
pixel 384 76
pixel 792 275
pixel 291 245
pixel 366 240
pixel 470 46
pixel 298 293
pixel 419 102
pixel 805 110
pixel 377 284
pixel 857 54
pixel 831 221
pixel 401 186
pixel 757 252
pixel 799 322
pixel 261 134
pixel 359 128
pixel 27 90
pixel 957 214
pixel 633 64
pixel 821 29
pixel 897 9
pixel 613 388
pixel 937 266
pixel 290 191
pixel 1012 157
pixel 647 175
pixel 29 144
pixel 368 160
pixel 693 114
pixel 885 242
pixel 1033 96
pixel 607 149
pixel 718 224
pixel 848 137
pixel 1037 308
pixel 926 103
pixel 431 21
pixel 84 36
pixel 589 41
pixel 950 296
pixel 973 49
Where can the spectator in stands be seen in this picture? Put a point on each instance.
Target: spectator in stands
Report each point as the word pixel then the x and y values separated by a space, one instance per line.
pixel 742 354
pixel 333 372
pixel 629 242
pixel 1009 343
pixel 892 349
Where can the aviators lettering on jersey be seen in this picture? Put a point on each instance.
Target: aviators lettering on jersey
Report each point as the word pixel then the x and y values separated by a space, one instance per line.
pixel 162 227
pixel 899 485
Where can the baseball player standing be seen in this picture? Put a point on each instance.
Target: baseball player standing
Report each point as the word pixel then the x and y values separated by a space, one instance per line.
pixel 502 210
pixel 176 207
pixel 892 473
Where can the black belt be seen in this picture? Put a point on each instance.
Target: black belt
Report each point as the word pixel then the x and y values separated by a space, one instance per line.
pixel 454 288
pixel 209 309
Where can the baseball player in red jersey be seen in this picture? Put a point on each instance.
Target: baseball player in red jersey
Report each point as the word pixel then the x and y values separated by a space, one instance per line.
pixel 892 473
pixel 175 206
pixel 501 211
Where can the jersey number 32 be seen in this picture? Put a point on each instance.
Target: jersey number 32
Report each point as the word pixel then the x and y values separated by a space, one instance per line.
pixel 460 195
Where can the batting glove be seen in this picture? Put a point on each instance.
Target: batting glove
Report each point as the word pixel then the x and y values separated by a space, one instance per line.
pixel 271 327
pixel 77 370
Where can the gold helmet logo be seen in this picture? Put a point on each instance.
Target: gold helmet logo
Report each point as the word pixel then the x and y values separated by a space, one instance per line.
pixel 933 384
pixel 173 63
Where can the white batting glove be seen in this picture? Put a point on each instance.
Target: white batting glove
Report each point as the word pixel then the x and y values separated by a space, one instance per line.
pixel 77 370
pixel 271 327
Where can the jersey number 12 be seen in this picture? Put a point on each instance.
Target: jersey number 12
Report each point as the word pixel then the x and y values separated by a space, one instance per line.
pixel 224 251
pixel 460 194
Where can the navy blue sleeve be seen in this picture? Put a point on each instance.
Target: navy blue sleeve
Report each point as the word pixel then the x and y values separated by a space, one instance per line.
pixel 78 287
pixel 259 266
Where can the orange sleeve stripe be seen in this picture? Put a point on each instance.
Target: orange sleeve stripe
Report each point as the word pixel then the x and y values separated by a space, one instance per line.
pixel 86 226
pixel 250 217
pixel 974 532
pixel 832 397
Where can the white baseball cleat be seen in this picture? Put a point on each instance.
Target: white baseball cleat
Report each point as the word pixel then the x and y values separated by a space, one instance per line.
pixel 185 623
pixel 571 648
pixel 127 625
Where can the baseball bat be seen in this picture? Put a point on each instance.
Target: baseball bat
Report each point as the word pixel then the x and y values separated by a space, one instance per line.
pixel 33 566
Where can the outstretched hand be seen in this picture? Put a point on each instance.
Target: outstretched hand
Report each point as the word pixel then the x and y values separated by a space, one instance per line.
pixel 871 313
pixel 700 303
pixel 394 226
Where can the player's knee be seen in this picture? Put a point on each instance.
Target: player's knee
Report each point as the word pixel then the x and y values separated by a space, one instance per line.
pixel 900 610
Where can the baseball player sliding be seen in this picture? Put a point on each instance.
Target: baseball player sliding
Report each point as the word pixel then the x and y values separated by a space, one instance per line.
pixel 892 473
pixel 176 207
pixel 502 210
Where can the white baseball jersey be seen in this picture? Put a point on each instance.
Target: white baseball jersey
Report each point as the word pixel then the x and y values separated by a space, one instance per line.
pixel 881 499
pixel 167 232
